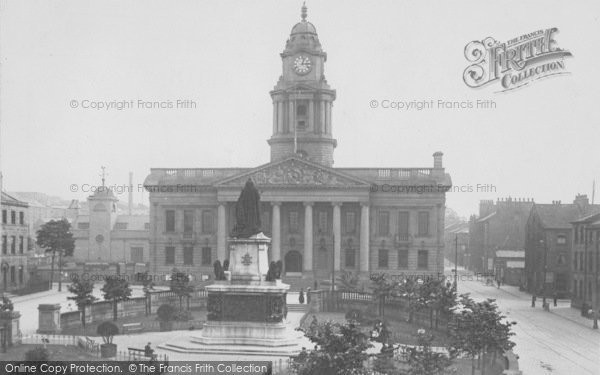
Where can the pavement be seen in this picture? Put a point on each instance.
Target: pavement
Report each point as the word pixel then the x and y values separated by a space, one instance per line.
pixel 559 341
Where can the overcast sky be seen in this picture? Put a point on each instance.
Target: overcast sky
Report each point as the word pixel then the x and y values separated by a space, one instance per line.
pixel 541 141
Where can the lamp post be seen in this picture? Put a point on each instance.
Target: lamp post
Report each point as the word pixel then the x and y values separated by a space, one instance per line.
pixel 456 261
pixel 545 249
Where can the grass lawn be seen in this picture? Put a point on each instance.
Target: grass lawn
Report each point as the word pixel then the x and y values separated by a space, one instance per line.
pixel 402 332
pixel 57 352
pixel 150 324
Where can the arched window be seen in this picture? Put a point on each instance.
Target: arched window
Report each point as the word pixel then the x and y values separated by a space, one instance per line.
pixel 293 261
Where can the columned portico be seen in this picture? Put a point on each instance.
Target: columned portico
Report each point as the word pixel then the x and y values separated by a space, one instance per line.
pixel 221 232
pixel 308 237
pixel 276 232
pixel 364 237
pixel 337 235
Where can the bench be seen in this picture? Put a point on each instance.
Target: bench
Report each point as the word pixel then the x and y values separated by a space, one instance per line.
pixel 140 353
pixel 132 327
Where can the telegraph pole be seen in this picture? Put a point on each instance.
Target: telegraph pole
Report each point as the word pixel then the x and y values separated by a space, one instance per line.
pixel 456 261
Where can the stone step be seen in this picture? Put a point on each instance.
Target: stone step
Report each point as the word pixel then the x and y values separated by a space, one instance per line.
pixel 297 307
pixel 192 348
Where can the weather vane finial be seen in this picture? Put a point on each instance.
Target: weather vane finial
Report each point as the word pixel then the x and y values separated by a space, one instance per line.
pixel 304 11
pixel 103 174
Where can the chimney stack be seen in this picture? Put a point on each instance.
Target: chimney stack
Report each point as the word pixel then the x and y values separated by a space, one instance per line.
pixel 130 192
pixel 437 160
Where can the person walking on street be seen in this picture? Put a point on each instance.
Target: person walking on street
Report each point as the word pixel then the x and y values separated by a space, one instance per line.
pixel 533 300
pixel 301 296
pixel 555 298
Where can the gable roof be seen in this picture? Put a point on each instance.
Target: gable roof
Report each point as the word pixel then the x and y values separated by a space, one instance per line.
pixel 560 216
pixel 10 200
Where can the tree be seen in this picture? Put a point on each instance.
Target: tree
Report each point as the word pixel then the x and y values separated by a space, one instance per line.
pixel 348 281
pixel 6 304
pixel 180 285
pixel 107 330
pixel 55 237
pixel 82 295
pixel 340 349
pixel 478 329
pixel 382 288
pixel 116 289
pixel 422 360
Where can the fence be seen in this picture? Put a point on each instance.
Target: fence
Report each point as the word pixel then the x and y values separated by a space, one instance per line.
pixel 133 307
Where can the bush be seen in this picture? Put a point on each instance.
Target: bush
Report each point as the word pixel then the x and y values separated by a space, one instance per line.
pixel 183 316
pixel 37 354
pixel 166 313
pixel 354 315
pixel 107 330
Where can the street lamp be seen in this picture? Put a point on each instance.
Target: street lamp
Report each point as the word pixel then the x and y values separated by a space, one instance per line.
pixel 456 261
pixel 545 248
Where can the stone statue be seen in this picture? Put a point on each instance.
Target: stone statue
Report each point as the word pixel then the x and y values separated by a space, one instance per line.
pixel 247 212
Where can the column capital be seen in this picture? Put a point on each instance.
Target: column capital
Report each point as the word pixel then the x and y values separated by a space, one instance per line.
pixel 275 203
pixel 308 204
pixel 336 204
pixel 365 204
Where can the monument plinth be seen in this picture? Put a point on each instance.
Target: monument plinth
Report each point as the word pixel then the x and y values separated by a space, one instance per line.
pixel 248 308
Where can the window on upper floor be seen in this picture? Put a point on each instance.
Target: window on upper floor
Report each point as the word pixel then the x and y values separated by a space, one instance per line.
pixel 188 221
pixel 13 244
pixel 13 217
pixel 576 235
pixel 121 226
pixel 137 254
pixel 561 259
pixel 350 222
pixel 383 224
pixel 170 221
pixel 21 244
pixel 403 224
pixel 294 222
pixel 561 239
pixel 188 255
pixel 83 225
pixel 4 217
pixel 423 223
pixel 350 256
pixel 208 222
pixel 4 245
pixel 22 218
pixel 323 224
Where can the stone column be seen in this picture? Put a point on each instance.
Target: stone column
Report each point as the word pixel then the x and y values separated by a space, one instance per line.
pixel 364 237
pixel 291 116
pixel 275 106
pixel 337 235
pixel 221 232
pixel 276 232
pixel 308 237
pixel 280 113
pixel 328 118
pixel 311 115
pixel 322 117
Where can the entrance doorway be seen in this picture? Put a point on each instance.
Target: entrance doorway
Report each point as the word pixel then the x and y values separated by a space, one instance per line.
pixel 293 262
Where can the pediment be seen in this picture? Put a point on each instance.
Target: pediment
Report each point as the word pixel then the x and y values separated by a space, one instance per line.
pixel 294 172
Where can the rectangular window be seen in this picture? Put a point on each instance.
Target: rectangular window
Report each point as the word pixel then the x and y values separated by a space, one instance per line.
pixel 137 255
pixel 4 244
pixel 13 244
pixel 188 222
pixel 403 217
pixel 383 258
pixel 83 225
pixel 350 257
pixel 188 255
pixel 13 217
pixel 20 275
pixel 561 239
pixel 208 225
pixel 423 224
pixel 294 221
pixel 576 234
pixel 384 223
pixel 403 258
pixel 21 244
pixel 323 227
pixel 206 256
pixel 170 255
pixel 121 226
pixel 350 222
pixel 170 221
pixel 4 217
pixel 422 262
pixel 22 218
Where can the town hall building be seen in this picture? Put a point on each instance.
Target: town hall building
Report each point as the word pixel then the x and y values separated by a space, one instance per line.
pixel 321 219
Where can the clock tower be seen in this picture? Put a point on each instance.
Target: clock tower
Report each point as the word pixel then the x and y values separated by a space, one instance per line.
pixel 302 100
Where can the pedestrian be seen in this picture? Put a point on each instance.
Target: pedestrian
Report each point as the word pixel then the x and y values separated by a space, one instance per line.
pixel 148 351
pixel 301 296
pixel 308 296
pixel 555 298
pixel 533 300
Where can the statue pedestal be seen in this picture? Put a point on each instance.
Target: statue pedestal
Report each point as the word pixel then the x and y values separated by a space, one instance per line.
pixel 248 258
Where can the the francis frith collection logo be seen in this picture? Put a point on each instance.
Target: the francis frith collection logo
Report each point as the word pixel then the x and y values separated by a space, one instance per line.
pixel 515 63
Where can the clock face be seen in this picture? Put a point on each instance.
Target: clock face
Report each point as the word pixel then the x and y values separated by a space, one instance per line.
pixel 302 65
